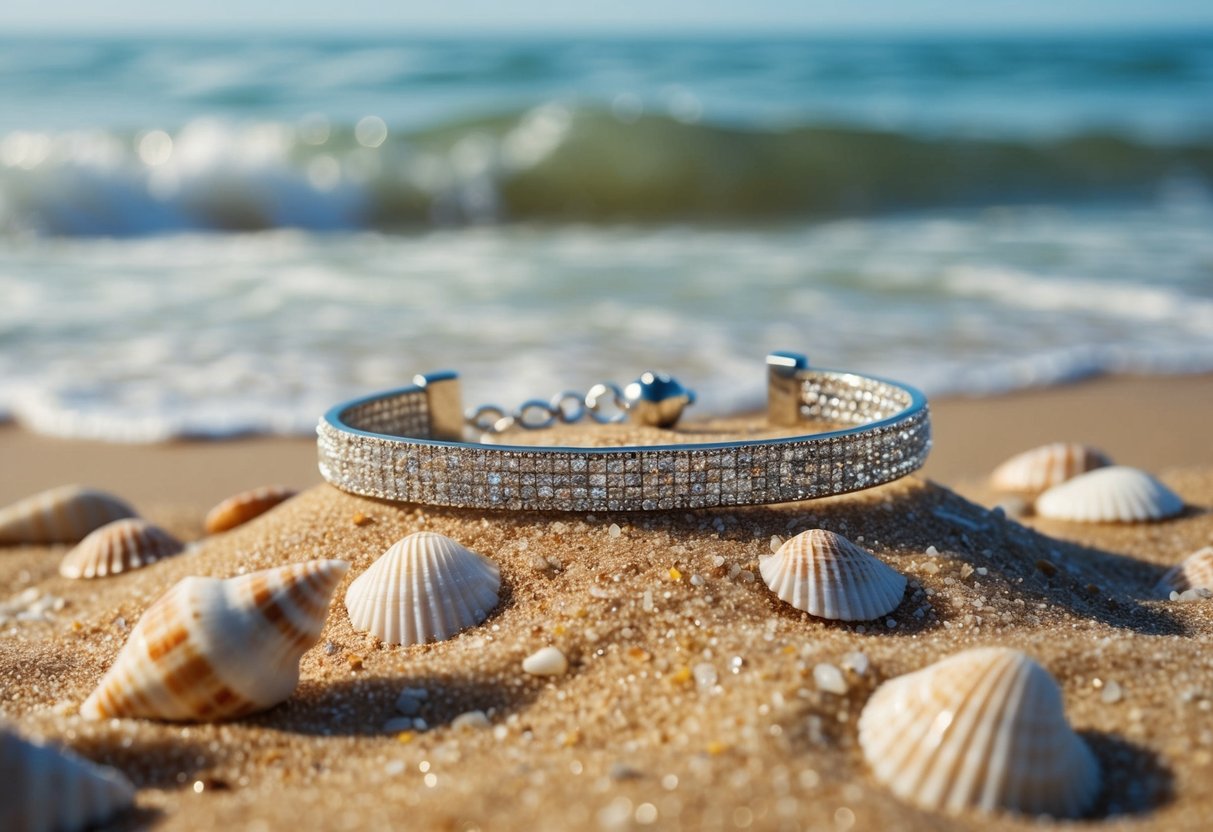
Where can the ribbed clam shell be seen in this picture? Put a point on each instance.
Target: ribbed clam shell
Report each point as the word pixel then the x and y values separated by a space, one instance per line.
pixel 212 649
pixel 48 789
pixel 1034 471
pixel 60 515
pixel 1194 572
pixel 119 547
pixel 1117 494
pixel 243 507
pixel 828 576
pixel 424 588
pixel 983 729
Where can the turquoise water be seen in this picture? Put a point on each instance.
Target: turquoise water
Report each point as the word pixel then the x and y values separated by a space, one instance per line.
pixel 213 236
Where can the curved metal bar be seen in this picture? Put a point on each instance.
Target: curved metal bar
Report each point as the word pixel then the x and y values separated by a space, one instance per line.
pixel 383 446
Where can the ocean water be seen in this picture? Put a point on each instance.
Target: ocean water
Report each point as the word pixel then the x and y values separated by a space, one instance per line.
pixel 208 237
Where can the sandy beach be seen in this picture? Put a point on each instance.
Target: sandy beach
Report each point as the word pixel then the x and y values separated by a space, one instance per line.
pixel 699 713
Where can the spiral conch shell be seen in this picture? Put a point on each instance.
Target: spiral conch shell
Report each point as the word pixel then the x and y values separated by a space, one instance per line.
pixel 119 547
pixel 60 515
pixel 1117 494
pixel 47 789
pixel 984 729
pixel 828 576
pixel 1193 572
pixel 424 588
pixel 241 508
pixel 212 649
pixel 1038 469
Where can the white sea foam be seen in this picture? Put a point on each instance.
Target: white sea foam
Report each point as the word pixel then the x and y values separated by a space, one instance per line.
pixel 144 339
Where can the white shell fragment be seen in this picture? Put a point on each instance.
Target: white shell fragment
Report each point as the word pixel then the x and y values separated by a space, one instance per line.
pixel 424 588
pixel 47 789
pixel 828 576
pixel 119 547
pixel 547 661
pixel 984 729
pixel 1039 469
pixel 1117 494
pixel 1195 572
pixel 212 649
pixel 60 515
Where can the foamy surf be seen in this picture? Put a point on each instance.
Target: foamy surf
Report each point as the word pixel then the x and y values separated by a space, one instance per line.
pixel 219 335
pixel 551 164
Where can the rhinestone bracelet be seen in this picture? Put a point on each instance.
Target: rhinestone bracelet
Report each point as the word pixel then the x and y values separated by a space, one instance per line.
pixel 408 445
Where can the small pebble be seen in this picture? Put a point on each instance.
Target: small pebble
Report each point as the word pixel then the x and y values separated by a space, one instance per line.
pixel 546 662
pixel 705 676
pixel 408 705
pixel 622 771
pixel 829 679
pixel 614 530
pixel 1111 693
pixel 856 662
pixel 471 719
pixel 776 542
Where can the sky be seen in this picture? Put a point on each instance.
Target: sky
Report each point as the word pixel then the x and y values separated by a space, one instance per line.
pixel 657 16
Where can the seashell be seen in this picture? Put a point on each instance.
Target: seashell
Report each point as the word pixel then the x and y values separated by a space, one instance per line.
pixel 243 507
pixel 1039 469
pixel 119 547
pixel 546 661
pixel 828 576
pixel 213 649
pixel 425 587
pixel 983 729
pixel 60 515
pixel 1116 494
pixel 1194 572
pixel 48 788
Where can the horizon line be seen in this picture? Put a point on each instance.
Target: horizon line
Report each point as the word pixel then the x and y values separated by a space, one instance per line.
pixel 100 30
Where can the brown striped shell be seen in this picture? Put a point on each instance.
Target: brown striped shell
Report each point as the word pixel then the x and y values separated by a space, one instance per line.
pixel 238 510
pixel 47 788
pixel 828 576
pixel 119 547
pixel 213 649
pixel 1039 469
pixel 60 515
pixel 1194 572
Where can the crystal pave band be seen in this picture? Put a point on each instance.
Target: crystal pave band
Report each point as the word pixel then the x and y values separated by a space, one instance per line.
pixel 405 445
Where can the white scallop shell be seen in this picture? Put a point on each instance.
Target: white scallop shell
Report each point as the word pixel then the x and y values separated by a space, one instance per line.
pixel 48 789
pixel 1117 494
pixel 983 729
pixel 119 547
pixel 1194 572
pixel 828 576
pixel 1034 471
pixel 424 588
pixel 213 649
pixel 60 515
